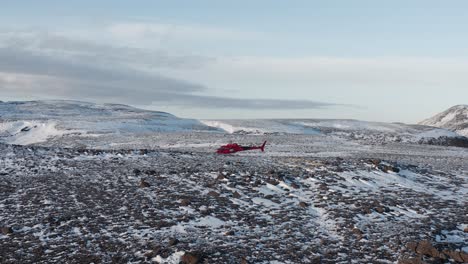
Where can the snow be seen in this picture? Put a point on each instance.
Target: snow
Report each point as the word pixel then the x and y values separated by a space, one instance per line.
pixel 436 133
pixel 347 129
pixel 53 119
pixel 118 126
pixel 172 259
pixel 454 119
pixel 254 126
pixel 316 183
pixel 30 132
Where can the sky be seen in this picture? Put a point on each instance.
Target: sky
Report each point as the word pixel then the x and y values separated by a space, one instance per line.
pixel 390 61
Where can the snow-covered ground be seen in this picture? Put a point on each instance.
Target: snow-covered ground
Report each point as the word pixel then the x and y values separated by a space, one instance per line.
pixel 348 129
pixel 81 190
pixel 38 121
pixel 324 202
pixel 103 126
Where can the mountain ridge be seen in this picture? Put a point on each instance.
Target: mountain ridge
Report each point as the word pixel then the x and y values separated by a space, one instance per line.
pixel 89 124
pixel 455 119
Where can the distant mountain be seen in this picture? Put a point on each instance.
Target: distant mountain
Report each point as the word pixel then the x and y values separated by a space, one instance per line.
pixel 454 119
pixel 32 122
pixel 368 132
pixel 78 124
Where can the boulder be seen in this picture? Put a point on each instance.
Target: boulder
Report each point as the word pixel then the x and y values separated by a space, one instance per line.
pixel 295 185
pixel 229 233
pixel 412 246
pixel 359 234
pixel 144 184
pixel 172 241
pixel 185 202
pixel 455 255
pixel 190 258
pixel 220 177
pixel 415 260
pixel 464 256
pixel 425 248
pixel 213 194
pixel 6 230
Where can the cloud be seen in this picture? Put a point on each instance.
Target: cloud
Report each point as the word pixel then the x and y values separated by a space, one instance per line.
pixel 54 66
pixel 162 31
pixel 60 46
pixel 242 103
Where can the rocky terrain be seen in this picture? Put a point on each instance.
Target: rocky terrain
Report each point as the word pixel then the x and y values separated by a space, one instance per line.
pixel 86 183
pixel 191 206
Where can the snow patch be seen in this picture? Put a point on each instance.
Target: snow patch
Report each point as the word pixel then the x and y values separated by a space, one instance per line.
pixel 172 259
pixel 30 132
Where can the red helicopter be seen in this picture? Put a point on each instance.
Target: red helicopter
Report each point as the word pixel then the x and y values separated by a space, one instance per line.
pixel 234 147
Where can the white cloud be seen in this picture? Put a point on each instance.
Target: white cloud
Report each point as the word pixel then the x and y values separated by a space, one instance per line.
pixel 140 32
pixel 330 76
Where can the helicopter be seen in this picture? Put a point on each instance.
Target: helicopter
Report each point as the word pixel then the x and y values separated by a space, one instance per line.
pixel 234 147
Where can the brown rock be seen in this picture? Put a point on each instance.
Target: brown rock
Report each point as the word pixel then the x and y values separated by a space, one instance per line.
pixel 303 204
pixel 455 255
pixel 358 233
pixel 173 241
pixel 213 194
pixel 412 246
pixel 464 256
pixel 380 209
pixel 465 230
pixel 185 202
pixel 416 260
pixel 376 162
pixel 144 184
pixel 323 187
pixel 425 248
pixel 367 210
pixel 7 230
pixel 229 233
pixel 294 185
pixel 149 254
pixel 272 181
pixel 236 195
pixel 190 258
pixel 220 177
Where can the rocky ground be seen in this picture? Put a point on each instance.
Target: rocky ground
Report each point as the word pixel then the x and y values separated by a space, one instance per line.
pixel 168 205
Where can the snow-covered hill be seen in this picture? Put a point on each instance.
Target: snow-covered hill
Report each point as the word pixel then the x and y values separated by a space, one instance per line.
pixel 81 124
pixel 372 132
pixel 454 119
pixel 38 121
